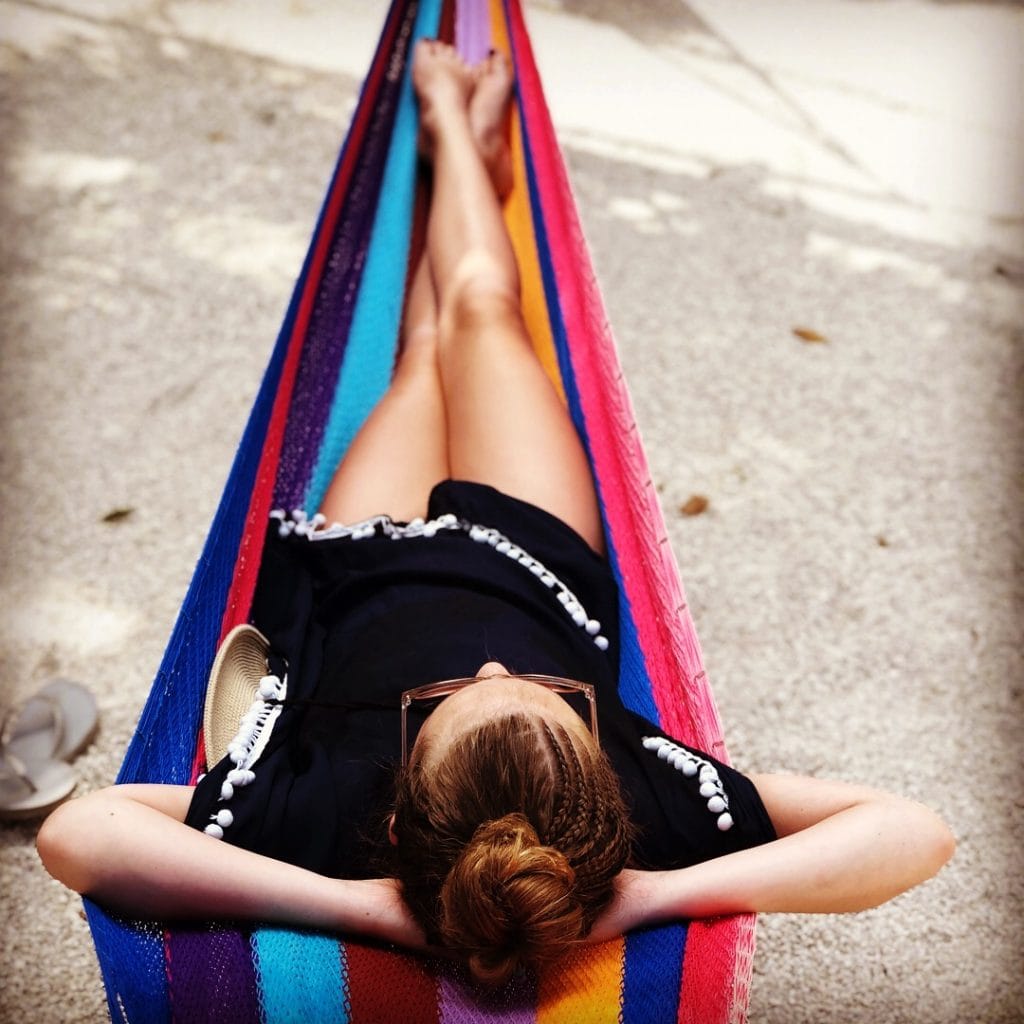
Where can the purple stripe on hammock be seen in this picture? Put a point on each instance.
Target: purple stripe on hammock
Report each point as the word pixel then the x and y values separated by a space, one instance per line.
pixel 324 345
pixel 473 29
pixel 516 1003
pixel 211 977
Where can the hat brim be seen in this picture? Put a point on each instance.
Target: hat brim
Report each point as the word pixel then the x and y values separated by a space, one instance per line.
pixel 234 683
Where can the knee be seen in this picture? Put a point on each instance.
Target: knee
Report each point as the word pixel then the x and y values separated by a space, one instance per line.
pixel 481 304
pixel 482 296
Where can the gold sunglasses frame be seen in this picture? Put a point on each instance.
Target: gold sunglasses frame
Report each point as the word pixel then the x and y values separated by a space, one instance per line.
pixel 446 687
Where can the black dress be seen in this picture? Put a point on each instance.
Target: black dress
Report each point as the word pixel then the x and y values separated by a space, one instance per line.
pixel 357 614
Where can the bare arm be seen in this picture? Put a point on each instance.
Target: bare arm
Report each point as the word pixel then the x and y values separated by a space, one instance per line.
pixel 840 848
pixel 128 848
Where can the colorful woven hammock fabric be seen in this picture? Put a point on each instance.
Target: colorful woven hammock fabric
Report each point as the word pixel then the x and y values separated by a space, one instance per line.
pixel 331 363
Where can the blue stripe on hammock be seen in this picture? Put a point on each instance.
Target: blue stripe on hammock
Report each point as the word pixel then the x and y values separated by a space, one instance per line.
pixel 365 375
pixel 634 684
pixel 645 997
pixel 302 977
pixel 132 964
pixel 650 993
pixel 131 957
pixel 373 338
pixel 162 749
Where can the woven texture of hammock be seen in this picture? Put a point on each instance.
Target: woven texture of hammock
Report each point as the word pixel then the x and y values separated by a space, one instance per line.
pixel 332 362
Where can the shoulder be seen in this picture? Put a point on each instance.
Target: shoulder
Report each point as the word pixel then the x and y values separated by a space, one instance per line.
pixel 688 805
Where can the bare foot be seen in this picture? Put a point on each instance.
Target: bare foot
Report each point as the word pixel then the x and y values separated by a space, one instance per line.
pixel 488 118
pixel 443 85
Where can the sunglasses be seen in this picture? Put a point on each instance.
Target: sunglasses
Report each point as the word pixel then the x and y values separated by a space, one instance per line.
pixel 426 698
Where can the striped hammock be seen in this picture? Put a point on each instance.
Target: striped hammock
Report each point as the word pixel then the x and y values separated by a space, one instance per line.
pixel 332 361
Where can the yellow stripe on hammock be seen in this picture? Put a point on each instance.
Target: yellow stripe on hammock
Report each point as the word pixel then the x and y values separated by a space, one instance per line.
pixel 585 986
pixel 519 221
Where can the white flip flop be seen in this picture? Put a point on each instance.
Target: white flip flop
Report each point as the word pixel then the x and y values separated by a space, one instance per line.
pixel 57 722
pixel 31 789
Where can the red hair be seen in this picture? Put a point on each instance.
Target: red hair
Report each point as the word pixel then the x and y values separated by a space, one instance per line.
pixel 508 845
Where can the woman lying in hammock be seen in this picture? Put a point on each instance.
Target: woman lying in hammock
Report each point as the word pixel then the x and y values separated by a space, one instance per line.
pixel 521 814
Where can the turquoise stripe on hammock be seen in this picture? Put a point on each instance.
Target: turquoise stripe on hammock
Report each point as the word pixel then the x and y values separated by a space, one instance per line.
pixel 302 977
pixel 131 954
pixel 364 377
pixel 373 337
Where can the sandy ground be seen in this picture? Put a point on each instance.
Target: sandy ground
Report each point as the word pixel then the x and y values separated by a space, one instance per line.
pixel 855 578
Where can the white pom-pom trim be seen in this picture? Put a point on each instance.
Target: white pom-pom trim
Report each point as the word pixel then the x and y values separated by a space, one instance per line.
pixel 248 744
pixel 315 529
pixel 690 764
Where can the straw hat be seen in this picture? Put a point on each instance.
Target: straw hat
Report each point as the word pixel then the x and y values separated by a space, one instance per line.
pixel 234 684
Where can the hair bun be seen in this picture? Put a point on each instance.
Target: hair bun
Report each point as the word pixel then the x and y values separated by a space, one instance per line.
pixel 513 834
pixel 507 899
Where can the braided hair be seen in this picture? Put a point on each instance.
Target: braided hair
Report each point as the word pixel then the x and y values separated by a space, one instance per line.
pixel 508 845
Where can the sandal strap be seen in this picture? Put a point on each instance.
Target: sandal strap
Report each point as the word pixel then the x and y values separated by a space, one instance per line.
pixel 11 765
pixel 11 716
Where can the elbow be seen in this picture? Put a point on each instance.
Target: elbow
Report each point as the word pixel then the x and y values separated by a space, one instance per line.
pixel 933 840
pixel 942 844
pixel 921 844
pixel 930 844
pixel 66 842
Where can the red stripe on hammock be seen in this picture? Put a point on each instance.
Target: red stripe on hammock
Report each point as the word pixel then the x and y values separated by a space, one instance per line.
pixel 387 987
pixel 717 966
pixel 712 988
pixel 250 549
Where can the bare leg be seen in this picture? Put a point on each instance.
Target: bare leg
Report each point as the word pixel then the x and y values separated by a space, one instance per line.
pixel 507 425
pixel 401 450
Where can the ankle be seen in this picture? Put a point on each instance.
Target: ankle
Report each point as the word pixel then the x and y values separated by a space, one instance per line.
pixel 446 118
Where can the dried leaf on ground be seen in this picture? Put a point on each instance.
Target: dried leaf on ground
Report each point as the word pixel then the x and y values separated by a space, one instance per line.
pixel 1012 270
pixel 806 334
pixel 115 515
pixel 694 505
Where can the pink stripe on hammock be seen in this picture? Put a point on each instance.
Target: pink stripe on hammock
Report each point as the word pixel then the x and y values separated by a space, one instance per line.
pixel 716 968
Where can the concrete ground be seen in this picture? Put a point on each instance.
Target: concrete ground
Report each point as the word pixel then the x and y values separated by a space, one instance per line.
pixel 744 168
